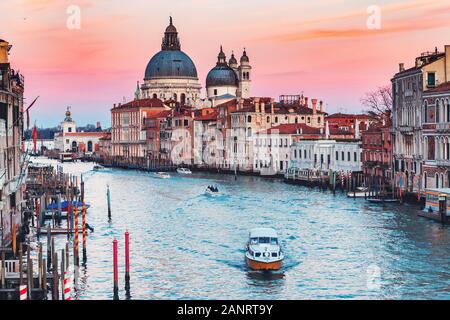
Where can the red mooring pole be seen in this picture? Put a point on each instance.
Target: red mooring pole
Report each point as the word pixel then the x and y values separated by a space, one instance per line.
pixel 116 271
pixel 127 261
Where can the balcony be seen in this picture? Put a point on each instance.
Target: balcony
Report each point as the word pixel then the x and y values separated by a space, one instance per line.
pixel 442 127
pixel 406 129
pixel 442 163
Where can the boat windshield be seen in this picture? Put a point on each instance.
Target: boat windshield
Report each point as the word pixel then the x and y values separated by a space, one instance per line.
pixel 264 240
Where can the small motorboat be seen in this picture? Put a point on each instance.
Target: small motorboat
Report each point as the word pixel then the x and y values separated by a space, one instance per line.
pixel 362 189
pixel 184 171
pixel 263 250
pixel 212 191
pixel 98 167
pixel 162 175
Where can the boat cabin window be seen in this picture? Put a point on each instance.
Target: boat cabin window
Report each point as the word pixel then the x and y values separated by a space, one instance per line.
pixel 257 254
pixel 274 254
pixel 267 240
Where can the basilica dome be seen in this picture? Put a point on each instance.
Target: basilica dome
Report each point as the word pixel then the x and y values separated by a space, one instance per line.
pixel 170 64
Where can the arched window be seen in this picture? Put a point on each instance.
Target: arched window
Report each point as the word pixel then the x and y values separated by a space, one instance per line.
pixel 296 120
pixel 268 119
pixel 249 119
pixel 437 106
pixel 74 146
pixel 436 178
pixel 249 132
pixel 155 96
pixel 425 112
pixel 183 98
pixel 276 119
pixel 89 146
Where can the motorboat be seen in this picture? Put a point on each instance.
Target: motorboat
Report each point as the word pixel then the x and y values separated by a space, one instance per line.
pixel 162 175
pixel 212 191
pixel 362 189
pixel 98 167
pixel 263 250
pixel 184 171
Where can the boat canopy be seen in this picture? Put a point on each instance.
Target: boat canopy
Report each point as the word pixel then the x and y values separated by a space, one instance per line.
pixel 263 232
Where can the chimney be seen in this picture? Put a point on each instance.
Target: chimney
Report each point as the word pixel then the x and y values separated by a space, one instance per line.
pixel 272 111
pixel 314 105
pixel 98 125
pixel 306 102
pixel 321 106
pixel 263 107
pixel 256 100
pixel 401 67
pixel 447 63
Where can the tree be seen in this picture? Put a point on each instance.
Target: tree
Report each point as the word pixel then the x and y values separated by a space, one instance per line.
pixel 379 102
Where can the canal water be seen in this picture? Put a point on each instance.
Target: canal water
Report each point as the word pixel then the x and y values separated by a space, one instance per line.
pixel 187 245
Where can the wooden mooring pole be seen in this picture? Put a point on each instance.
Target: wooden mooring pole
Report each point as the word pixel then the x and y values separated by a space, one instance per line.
pixel 108 196
pixel 75 253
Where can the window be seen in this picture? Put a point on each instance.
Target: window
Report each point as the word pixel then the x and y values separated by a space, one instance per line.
pixel 268 119
pixel 431 79
pixel 337 155
pixel 186 122
pixel 355 156
pixel 342 156
pixel 276 119
pixel 348 156
pixel 215 92
pixel 249 119
pixel 69 130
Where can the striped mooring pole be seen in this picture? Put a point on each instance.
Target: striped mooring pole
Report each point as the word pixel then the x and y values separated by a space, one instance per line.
pixel 75 254
pixel 83 218
pixel 67 286
pixel 127 261
pixel 23 292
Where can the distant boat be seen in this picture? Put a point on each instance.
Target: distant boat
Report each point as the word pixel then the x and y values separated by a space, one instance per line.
pixel 98 167
pixel 263 250
pixel 212 191
pixel 162 175
pixel 184 171
pixel 383 200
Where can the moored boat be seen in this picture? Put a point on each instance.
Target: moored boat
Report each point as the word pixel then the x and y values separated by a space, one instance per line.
pixel 65 204
pixel 263 250
pixel 98 167
pixel 184 171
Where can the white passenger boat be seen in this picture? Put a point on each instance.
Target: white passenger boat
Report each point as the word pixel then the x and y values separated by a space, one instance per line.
pixel 263 250
pixel 162 175
pixel 184 171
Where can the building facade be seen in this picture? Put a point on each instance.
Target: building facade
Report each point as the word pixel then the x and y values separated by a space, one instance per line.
pixel 12 171
pixel 408 86
pixel 71 140
pixel 128 135
pixel 436 137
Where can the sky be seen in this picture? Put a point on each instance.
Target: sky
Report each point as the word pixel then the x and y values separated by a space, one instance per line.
pixel 323 49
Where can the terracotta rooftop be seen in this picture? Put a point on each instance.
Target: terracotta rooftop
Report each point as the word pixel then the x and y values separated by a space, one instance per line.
pixel 292 128
pixel 142 103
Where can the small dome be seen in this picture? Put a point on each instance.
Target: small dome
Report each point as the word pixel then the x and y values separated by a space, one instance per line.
pixel 170 64
pixel 222 76
pixel 244 57
pixel 232 60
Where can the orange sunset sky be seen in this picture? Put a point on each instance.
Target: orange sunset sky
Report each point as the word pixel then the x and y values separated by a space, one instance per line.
pixel 321 48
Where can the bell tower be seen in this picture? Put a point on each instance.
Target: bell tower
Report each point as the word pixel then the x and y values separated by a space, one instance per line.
pixel 245 76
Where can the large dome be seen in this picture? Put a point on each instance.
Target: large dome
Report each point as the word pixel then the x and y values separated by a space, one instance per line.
pixel 222 75
pixel 170 64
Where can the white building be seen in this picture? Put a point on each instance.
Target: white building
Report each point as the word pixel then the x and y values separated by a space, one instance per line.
pixel 326 155
pixel 69 140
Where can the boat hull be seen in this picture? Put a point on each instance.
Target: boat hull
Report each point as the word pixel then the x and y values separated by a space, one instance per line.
pixel 259 265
